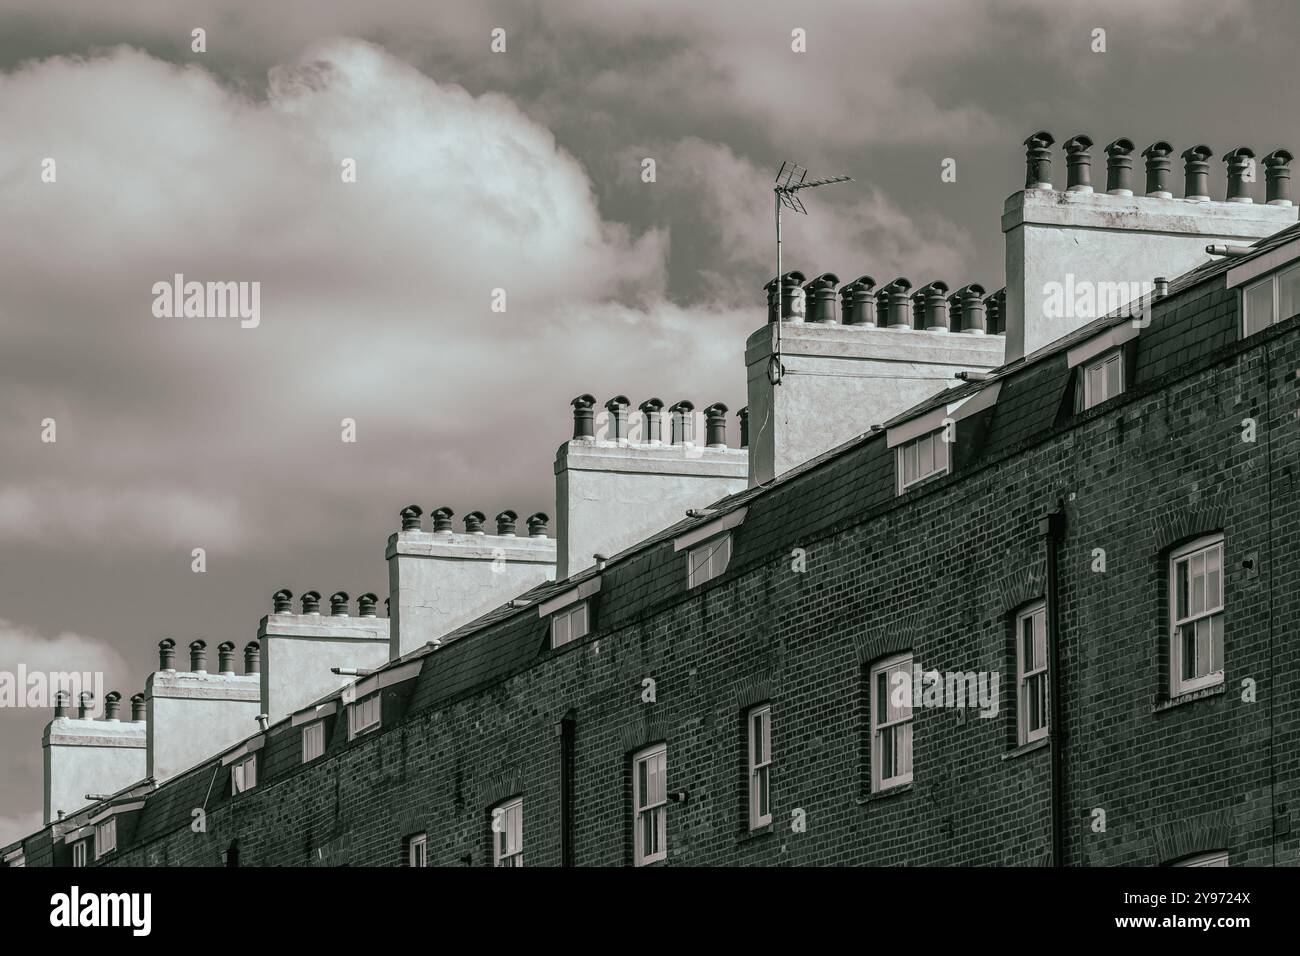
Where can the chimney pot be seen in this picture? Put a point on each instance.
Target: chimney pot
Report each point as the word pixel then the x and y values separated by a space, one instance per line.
pixel 61 699
pixel 474 522
pixel 411 517
pixel 366 603
pixel 167 654
pixel 653 410
pixel 1277 171
pixel 970 299
pixel 819 296
pixel 1241 165
pixel 995 312
pixel 1159 159
pixel 743 415
pixel 263 721
pixel 683 422
pixel 584 418
pixel 506 523
pixel 1038 160
pixel 537 525
pixel 442 520
pixel 86 704
pixel 858 302
pixel 226 657
pixel 311 602
pixel 715 417
pixel 1161 287
pixel 892 304
pixel 252 658
pixel 1078 164
pixel 138 709
pixel 1119 167
pixel 617 408
pixel 339 604
pixel 933 300
pixel 1196 173
pixel 112 701
pixel 792 298
pixel 282 601
pixel 199 656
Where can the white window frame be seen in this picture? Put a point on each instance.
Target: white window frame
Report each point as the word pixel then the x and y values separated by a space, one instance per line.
pixel 80 854
pixel 243 774
pixel 508 833
pixel 1088 395
pixel 313 740
pixel 934 440
pixel 105 837
pixel 758 749
pixel 900 727
pixel 1213 858
pixel 1031 677
pixel 364 715
pixel 417 850
pixel 1210 613
pixel 1274 281
pixel 708 559
pixel 650 805
pixel 570 624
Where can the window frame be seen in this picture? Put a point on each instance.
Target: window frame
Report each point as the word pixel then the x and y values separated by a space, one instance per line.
pixel 239 777
pixel 879 783
pixel 1114 357
pixel 80 854
pixel 1274 281
pixel 313 731
pixel 1209 858
pixel 1034 612
pixel 758 779
pixel 567 615
pixel 108 826
pixel 511 854
pixel 356 708
pixel 417 844
pixel 1184 554
pixel 935 437
pixel 719 550
pixel 658 810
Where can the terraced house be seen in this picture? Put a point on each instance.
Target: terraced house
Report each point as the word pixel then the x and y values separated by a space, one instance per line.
pixel 746 655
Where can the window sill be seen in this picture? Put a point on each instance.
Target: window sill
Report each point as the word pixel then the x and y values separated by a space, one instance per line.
pixel 1041 744
pixel 894 791
pixel 758 833
pixel 1218 690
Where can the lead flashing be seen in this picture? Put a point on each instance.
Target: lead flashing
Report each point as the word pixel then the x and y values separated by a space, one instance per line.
pixel 709 529
pixel 583 591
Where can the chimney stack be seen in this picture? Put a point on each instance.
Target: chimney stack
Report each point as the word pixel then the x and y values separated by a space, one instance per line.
pixel 366 603
pixel 858 302
pixel 653 410
pixel 137 708
pixel 1038 160
pixel 1078 164
pixel 339 604
pixel 199 656
pixel 85 705
pixel 584 418
pixel 1119 167
pixel 506 522
pixel 167 654
pixel 743 415
pixel 820 298
pixel 282 601
pixel 716 425
pixel 1240 163
pixel 1277 170
pixel 61 699
pixel 474 522
pixel 791 299
pixel 934 301
pixel 537 524
pixel 311 602
pixel 970 299
pixel 226 657
pixel 617 408
pixel 1159 160
pixel 442 520
pixel 892 304
pixel 683 422
pixel 1196 173
pixel 411 517
pixel 252 658
pixel 112 701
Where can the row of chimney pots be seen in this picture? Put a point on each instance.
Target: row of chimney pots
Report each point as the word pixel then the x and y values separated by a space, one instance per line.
pixel 506 522
pixel 681 422
pixel 931 308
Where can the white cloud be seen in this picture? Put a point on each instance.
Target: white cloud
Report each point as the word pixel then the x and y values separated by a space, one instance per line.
pixel 65 652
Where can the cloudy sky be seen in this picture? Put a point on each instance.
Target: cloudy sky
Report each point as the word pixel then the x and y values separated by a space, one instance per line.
pixel 476 170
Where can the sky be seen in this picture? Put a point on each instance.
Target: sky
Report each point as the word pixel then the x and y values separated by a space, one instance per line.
pixel 477 170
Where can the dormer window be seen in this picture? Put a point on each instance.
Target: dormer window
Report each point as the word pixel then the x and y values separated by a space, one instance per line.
pixel 1274 298
pixel 363 715
pixel 243 774
pixel 105 837
pixel 708 560
pixel 80 853
pixel 1101 379
pixel 569 624
pixel 922 458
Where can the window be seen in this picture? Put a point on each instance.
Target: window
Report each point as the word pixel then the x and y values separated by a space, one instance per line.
pixel 1196 605
pixel 1031 674
pixel 243 775
pixel 1272 299
pixel 650 803
pixel 417 850
pixel 759 750
pixel 708 560
pixel 569 624
pixel 508 833
pixel 1102 379
pixel 363 715
pixel 313 741
pixel 105 837
pixel 922 458
pixel 79 853
pixel 891 723
pixel 1217 858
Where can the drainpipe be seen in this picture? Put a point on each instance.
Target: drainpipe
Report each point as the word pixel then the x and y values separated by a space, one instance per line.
pixel 1052 527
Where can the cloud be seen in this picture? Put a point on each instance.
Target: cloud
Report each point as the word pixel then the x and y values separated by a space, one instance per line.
pixel 65 652
pixel 16 827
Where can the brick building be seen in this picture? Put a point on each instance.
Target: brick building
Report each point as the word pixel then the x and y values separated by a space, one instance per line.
pixel 1104 525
